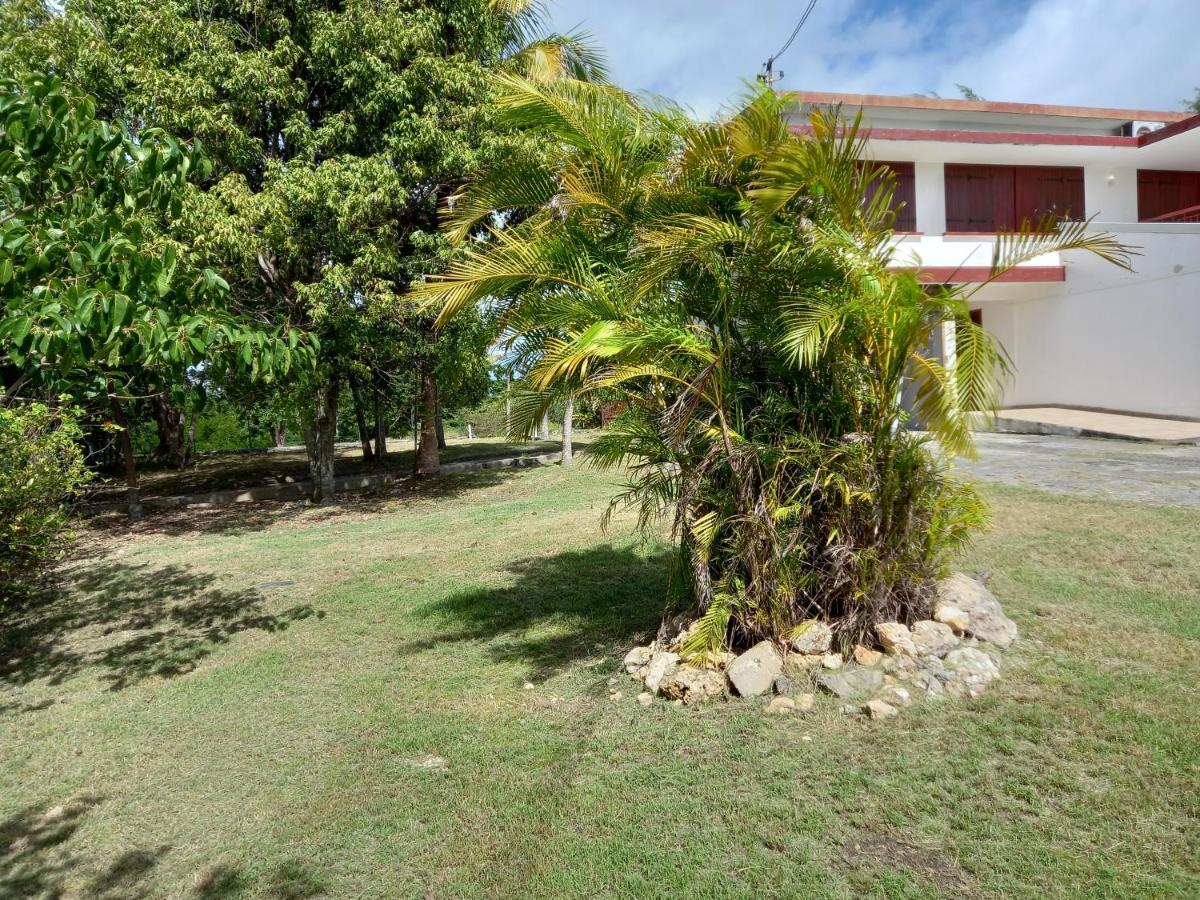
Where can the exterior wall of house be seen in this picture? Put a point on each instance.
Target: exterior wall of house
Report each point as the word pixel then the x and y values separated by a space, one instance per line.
pixel 1107 338
pixel 1100 337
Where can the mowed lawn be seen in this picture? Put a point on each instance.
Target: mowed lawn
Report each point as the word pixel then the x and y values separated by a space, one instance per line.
pixel 287 702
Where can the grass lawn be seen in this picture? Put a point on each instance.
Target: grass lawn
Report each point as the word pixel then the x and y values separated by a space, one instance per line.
pixel 283 702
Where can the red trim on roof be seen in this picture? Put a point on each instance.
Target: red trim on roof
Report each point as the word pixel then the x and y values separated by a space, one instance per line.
pixel 1170 131
pixel 958 136
pixel 975 274
pixel 991 106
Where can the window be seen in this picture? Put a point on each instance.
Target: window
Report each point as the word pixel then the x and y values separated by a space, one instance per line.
pixel 1161 193
pixel 904 194
pixel 1000 198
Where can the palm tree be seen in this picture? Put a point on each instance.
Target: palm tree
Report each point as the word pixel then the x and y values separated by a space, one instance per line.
pixel 733 281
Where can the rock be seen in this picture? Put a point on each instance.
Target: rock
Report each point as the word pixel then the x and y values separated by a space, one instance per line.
pixel 895 638
pixel 878 709
pixel 783 684
pixel 832 661
pixel 528 686
pixel 971 667
pixel 933 638
pixel 866 657
pixel 805 702
pixel 781 705
pixel 636 661
pixel 615 695
pixel 848 709
pixel 799 665
pixel 902 666
pixel 754 672
pixel 929 684
pixel 692 683
pixel 645 698
pixel 949 614
pixel 986 620
pixel 812 638
pixel 896 696
pixel 851 682
pixel 661 666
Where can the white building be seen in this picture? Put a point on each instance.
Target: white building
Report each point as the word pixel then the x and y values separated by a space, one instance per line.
pixel 1081 332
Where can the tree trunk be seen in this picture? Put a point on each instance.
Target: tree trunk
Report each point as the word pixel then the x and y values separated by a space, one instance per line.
pixel 192 434
pixel 441 426
pixel 508 406
pixel 568 450
pixel 172 442
pixel 360 415
pixel 279 434
pixel 544 428
pixel 319 421
pixel 427 461
pixel 133 499
pixel 380 429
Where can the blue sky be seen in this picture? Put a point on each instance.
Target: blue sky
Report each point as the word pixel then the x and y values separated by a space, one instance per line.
pixel 1137 53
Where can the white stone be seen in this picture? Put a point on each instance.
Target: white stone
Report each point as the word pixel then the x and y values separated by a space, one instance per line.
pixel 661 666
pixel 933 638
pixel 812 638
pixel 949 614
pixel 781 705
pixel 645 698
pixel 754 672
pixel 878 709
pixel 986 619
pixel 832 661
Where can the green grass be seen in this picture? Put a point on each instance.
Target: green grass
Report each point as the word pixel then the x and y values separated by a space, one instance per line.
pixel 172 729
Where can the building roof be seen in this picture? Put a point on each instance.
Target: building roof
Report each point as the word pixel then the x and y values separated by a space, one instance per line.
pixel 875 101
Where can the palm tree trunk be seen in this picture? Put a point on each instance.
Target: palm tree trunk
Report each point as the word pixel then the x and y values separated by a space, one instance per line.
pixel 568 450
pixel 544 428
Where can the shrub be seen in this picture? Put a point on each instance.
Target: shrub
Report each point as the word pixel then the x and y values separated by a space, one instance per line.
pixel 41 469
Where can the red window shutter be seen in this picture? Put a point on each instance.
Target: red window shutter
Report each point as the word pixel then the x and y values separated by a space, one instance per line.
pixel 904 194
pixel 978 198
pixel 1161 192
pixel 1042 190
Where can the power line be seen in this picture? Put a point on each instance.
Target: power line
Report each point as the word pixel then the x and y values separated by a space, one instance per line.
pixel 768 74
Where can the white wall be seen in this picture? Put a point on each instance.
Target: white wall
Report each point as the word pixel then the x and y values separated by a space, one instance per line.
pixel 1108 338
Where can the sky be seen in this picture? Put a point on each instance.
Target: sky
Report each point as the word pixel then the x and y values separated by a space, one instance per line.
pixel 1137 53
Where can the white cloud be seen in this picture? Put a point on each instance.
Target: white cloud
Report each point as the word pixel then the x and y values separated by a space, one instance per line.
pixel 1089 52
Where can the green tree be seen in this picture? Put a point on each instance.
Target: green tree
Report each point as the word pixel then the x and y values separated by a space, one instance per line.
pixel 95 298
pixel 335 130
pixel 41 469
pixel 1193 105
pixel 733 281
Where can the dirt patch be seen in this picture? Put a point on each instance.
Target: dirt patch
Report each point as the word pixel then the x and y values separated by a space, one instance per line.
pixel 875 851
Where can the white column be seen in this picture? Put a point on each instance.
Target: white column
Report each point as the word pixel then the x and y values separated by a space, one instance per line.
pixel 930 180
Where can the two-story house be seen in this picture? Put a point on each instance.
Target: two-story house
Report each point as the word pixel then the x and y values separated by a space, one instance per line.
pixel 1081 332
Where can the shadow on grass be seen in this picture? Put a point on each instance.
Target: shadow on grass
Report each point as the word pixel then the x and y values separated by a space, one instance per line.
pixel 129 622
pixel 244 518
pixel 559 609
pixel 36 859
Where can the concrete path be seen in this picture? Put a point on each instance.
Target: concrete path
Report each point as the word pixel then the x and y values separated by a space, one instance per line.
pixel 1085 423
pixel 1162 474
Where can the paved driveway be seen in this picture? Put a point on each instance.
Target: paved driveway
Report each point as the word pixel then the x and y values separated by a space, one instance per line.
pixel 1119 470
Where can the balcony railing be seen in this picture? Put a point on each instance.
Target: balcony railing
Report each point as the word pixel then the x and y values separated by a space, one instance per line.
pixel 1188 214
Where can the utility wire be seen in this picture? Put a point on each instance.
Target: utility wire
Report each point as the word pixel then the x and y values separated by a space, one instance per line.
pixel 769 66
